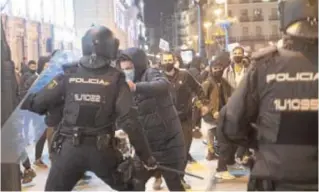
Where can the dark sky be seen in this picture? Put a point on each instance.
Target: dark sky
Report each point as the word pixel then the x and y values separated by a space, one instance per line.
pixel 153 9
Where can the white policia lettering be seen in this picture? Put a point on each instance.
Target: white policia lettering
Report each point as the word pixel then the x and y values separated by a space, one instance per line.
pixel 88 98
pixel 296 104
pixel 298 77
pixel 89 81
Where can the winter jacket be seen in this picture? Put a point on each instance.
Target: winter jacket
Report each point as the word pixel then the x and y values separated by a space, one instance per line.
pixel 157 112
pixel 212 95
pixel 185 87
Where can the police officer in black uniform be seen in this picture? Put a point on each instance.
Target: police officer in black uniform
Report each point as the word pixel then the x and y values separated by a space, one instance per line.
pixel 94 97
pixel 275 109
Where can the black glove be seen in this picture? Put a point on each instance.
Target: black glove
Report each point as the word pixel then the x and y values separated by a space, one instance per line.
pixel 27 103
pixel 151 163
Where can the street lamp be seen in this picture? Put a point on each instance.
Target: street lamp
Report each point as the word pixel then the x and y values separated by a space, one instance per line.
pixel 226 22
pixel 207 25
pixel 201 40
pixel 218 12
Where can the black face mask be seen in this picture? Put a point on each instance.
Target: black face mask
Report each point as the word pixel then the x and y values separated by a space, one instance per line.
pixel 217 74
pixel 238 59
pixel 32 71
pixel 168 67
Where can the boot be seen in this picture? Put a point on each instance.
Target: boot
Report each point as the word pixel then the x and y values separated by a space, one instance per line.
pixel 39 163
pixel 186 185
pixel 157 184
pixel 28 176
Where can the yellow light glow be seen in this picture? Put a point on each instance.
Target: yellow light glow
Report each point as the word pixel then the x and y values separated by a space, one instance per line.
pixel 207 25
pixel 218 12
pixel 220 1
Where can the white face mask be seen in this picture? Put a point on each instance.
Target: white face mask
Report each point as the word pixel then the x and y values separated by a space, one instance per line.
pixel 129 74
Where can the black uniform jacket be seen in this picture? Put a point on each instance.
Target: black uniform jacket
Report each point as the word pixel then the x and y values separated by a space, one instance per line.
pixel 52 96
pixel 275 109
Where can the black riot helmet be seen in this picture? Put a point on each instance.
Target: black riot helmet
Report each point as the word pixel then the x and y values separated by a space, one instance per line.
pixel 299 18
pixel 100 44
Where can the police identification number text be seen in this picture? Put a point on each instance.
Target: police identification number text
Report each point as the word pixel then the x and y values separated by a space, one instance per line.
pixel 87 98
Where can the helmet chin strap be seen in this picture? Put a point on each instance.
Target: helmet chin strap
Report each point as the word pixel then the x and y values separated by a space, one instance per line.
pixel 93 59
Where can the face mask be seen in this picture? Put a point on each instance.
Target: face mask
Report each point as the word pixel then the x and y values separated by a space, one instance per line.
pixel 217 74
pixel 168 67
pixel 238 59
pixel 129 74
pixel 32 70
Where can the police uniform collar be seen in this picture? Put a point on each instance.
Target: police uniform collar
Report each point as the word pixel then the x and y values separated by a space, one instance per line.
pixel 299 44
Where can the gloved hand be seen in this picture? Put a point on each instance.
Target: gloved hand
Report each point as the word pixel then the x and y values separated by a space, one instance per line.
pixel 151 163
pixel 27 103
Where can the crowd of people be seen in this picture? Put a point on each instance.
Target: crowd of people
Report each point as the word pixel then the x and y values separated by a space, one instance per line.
pixel 193 84
pixel 244 107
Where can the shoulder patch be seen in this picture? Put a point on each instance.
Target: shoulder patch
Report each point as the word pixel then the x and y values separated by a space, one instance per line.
pixel 52 84
pixel 265 52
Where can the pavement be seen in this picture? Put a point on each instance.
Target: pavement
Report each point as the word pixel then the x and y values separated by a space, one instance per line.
pixel 202 168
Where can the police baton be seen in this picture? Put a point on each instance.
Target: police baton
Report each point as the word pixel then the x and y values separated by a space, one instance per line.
pixel 178 172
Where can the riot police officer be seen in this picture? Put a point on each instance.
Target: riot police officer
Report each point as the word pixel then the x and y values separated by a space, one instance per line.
pixel 278 101
pixel 94 96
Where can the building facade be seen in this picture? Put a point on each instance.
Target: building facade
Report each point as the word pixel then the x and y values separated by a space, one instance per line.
pixel 258 22
pixel 123 17
pixel 256 26
pixel 188 25
pixel 34 28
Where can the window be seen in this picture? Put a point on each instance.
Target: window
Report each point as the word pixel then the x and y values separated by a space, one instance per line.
pixel 274 11
pixel 274 29
pixel 245 31
pixel 244 12
pixel 48 11
pixel 35 9
pixel 19 8
pixel 258 12
pixel 230 13
pixel 258 31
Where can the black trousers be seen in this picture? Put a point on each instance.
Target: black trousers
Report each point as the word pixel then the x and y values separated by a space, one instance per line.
pixel 40 145
pixel 255 184
pixel 46 136
pixel 172 180
pixel 188 133
pixel 226 156
pixel 70 164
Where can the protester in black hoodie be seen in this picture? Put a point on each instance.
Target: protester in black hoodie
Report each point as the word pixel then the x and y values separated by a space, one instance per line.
pixel 185 87
pixel 28 78
pixel 158 116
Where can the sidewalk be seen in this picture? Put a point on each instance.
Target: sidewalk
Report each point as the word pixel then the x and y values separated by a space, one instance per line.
pixel 202 168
